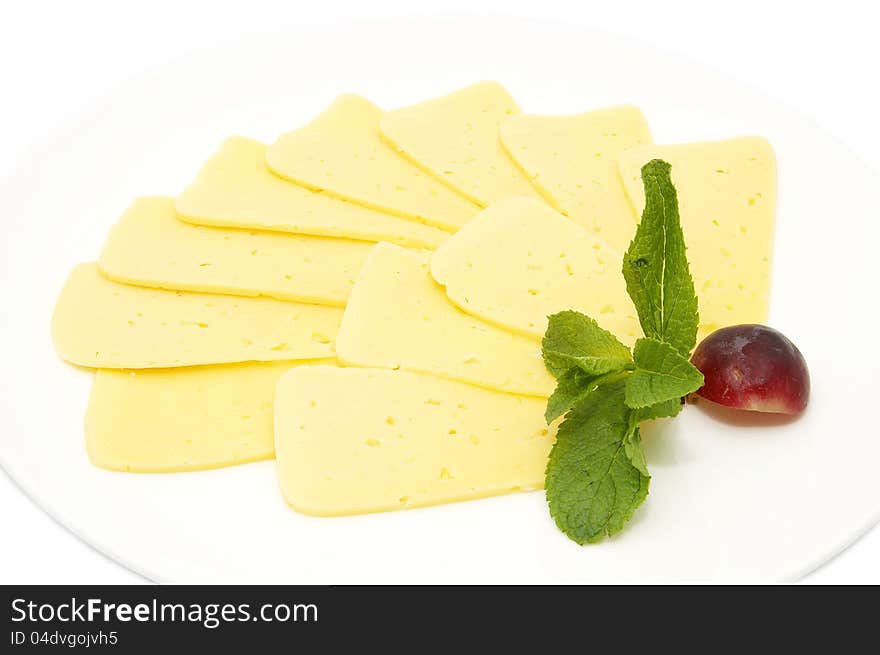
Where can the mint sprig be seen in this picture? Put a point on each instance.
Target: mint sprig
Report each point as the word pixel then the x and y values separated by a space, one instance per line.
pixel 571 387
pixel 661 374
pixel 597 474
pixel 667 409
pixel 593 486
pixel 575 340
pixel 656 269
pixel 632 446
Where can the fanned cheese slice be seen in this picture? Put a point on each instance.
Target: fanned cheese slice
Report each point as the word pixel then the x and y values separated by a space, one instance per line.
pixel 398 317
pixel 342 153
pixel 519 261
pixel 350 441
pixel 102 324
pixel 455 138
pixel 150 247
pixel 235 188
pixel 727 201
pixel 572 160
pixel 182 419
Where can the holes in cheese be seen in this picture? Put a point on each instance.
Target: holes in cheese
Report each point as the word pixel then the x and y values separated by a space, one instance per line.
pixel 102 324
pixel 455 138
pixel 235 188
pixel 727 198
pixel 342 152
pixel 398 317
pixel 182 419
pixel 150 247
pixel 519 261
pixel 401 440
pixel 572 160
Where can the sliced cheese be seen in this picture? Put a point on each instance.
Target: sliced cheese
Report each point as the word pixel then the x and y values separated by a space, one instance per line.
pixel 150 247
pixel 398 317
pixel 455 138
pixel 727 199
pixel 519 261
pixel 573 161
pixel 342 153
pixel 182 419
pixel 350 441
pixel 235 188
pixel 103 324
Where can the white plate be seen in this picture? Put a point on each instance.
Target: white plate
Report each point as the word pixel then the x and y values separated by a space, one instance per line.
pixel 729 501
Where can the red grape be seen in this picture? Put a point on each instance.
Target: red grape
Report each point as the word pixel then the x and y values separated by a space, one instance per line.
pixel 753 367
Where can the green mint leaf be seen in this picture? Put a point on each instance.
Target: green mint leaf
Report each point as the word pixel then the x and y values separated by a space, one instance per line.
pixel 666 409
pixel 592 485
pixel 655 266
pixel 575 340
pixel 572 387
pixel 661 374
pixel 632 446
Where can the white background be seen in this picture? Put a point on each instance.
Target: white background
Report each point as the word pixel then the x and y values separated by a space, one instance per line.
pixel 58 57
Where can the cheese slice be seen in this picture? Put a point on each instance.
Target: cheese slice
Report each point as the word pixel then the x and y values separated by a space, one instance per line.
pixel 102 324
pixel 350 441
pixel 455 138
pixel 235 188
pixel 572 160
pixel 182 419
pixel 519 261
pixel 398 317
pixel 342 153
pixel 150 247
pixel 727 201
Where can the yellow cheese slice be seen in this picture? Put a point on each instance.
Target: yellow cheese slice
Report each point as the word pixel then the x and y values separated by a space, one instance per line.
pixel 572 160
pixel 235 188
pixel 182 419
pixel 103 324
pixel 519 261
pixel 727 199
pixel 455 138
pixel 351 441
pixel 150 247
pixel 398 317
pixel 342 153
